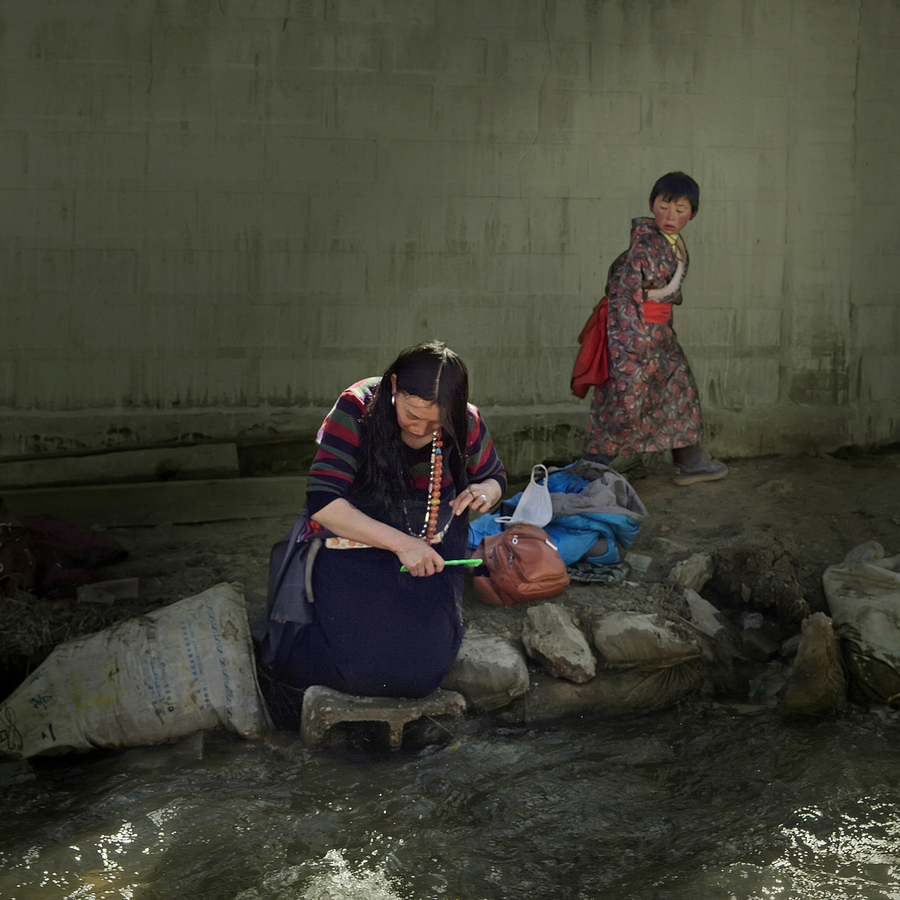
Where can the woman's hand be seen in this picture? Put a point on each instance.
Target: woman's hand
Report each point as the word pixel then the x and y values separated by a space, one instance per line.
pixel 477 497
pixel 419 557
pixel 345 520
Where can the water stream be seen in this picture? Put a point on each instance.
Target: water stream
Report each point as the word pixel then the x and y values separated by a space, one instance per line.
pixel 696 802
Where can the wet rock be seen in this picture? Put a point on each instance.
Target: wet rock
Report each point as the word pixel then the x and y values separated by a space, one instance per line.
pixel 551 637
pixel 817 683
pixel 693 572
pixel 489 671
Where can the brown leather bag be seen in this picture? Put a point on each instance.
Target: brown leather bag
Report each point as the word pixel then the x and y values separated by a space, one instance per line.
pixel 524 564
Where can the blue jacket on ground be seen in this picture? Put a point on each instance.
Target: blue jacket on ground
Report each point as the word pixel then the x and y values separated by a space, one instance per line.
pixel 585 509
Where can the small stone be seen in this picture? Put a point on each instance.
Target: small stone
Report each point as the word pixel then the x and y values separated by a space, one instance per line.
pixel 693 572
pixel 551 636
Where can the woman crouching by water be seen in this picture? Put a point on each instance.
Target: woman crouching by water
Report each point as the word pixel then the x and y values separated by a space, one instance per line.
pixel 401 459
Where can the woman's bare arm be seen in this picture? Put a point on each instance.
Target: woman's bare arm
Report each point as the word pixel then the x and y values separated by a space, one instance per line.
pixel 345 520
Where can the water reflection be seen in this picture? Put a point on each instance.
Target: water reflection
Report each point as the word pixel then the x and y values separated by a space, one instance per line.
pixel 695 802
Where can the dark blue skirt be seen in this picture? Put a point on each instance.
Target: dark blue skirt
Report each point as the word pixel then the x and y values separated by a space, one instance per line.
pixel 377 631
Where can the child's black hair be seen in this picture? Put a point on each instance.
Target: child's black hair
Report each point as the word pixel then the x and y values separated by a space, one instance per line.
pixel 676 185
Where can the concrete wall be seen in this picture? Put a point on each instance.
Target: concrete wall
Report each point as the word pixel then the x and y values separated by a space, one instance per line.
pixel 215 214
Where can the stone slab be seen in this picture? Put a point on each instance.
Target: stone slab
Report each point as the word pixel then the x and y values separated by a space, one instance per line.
pixel 168 502
pixel 145 464
pixel 323 708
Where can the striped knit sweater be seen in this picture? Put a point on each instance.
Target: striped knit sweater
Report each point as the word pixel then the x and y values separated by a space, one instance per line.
pixel 335 465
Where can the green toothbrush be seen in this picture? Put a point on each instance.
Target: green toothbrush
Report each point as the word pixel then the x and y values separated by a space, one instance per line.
pixel 454 562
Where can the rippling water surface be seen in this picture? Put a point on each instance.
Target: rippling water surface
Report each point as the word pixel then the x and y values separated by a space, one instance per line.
pixel 698 802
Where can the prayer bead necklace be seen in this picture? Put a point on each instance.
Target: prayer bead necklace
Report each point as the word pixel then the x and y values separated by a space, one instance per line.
pixel 433 500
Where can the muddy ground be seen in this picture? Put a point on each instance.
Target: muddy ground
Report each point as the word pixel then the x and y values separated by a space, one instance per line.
pixel 771 527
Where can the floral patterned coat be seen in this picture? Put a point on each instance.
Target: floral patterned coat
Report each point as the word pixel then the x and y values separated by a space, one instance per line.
pixel 650 400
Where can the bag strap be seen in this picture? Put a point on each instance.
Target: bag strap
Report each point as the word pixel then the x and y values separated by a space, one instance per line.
pixel 292 538
pixel 314 548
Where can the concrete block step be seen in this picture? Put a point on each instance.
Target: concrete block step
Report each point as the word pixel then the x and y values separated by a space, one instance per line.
pixel 323 708
pixel 164 502
pixel 138 465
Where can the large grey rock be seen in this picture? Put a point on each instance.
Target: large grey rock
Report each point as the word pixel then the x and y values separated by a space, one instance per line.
pixel 489 671
pixel 551 637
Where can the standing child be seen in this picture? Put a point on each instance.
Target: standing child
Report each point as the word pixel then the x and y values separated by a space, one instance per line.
pixel 645 398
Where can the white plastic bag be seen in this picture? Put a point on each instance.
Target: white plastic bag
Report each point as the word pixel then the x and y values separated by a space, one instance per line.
pixel 183 668
pixel 535 506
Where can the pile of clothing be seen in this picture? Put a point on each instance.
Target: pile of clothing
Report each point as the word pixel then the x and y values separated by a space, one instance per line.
pixel 590 501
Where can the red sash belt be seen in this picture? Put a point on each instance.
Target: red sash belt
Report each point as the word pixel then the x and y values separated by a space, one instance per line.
pixel 592 362
pixel 657 313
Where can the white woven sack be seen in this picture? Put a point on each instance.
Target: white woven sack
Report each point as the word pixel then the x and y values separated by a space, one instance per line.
pixel 183 668
pixel 864 602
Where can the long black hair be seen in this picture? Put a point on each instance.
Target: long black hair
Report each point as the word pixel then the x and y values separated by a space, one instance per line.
pixel 432 372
